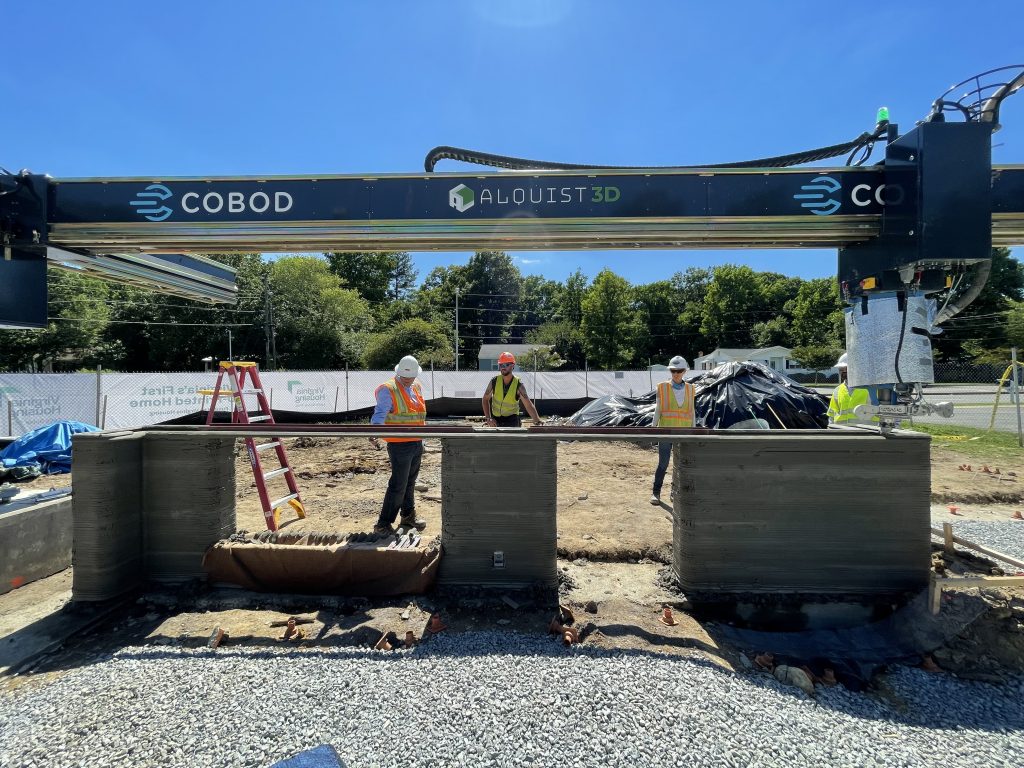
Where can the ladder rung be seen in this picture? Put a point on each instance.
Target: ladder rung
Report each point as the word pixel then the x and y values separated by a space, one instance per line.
pixel 211 391
pixel 265 446
pixel 276 472
pixel 252 391
pixel 283 500
pixel 264 417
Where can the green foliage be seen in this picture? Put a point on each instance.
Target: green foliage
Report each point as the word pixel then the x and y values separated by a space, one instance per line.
pixel 320 323
pixel 817 314
pixel 608 321
pixel 427 342
pixel 1015 326
pixel 770 333
pixel 565 338
pixel 968 441
pixel 540 359
pixel 732 304
pixel 493 294
pixel 817 358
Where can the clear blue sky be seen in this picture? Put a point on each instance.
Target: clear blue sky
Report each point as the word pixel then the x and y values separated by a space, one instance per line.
pixel 220 88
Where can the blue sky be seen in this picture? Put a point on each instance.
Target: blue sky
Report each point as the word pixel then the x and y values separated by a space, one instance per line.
pixel 219 88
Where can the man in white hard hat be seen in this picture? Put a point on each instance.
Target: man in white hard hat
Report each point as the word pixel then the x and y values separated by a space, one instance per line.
pixel 674 408
pixel 844 399
pixel 400 403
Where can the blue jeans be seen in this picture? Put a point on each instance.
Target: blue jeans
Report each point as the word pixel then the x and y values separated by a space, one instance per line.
pixel 405 468
pixel 664 457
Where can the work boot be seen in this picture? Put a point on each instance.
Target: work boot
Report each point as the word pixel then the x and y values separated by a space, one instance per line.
pixel 655 499
pixel 412 522
pixel 383 530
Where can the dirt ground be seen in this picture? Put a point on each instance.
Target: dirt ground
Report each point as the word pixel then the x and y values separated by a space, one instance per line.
pixel 613 550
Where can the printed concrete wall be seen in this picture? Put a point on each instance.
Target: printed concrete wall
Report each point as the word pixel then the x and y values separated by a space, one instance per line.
pixel 814 513
pixel 498 524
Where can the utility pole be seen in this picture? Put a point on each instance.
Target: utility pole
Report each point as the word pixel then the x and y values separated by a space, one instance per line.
pixel 456 329
pixel 266 321
pixel 230 355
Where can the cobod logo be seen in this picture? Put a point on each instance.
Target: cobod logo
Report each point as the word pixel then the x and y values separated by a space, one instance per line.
pixel 154 202
pixel 817 196
pixel 461 198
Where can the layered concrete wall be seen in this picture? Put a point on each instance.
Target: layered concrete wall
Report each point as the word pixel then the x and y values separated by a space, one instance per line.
pixel 808 513
pixel 498 525
pixel 147 507
pixel 35 541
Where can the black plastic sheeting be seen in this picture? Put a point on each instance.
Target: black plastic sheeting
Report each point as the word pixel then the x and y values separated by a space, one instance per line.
pixel 739 395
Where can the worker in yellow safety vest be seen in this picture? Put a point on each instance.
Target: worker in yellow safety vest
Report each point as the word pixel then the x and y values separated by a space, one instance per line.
pixel 844 399
pixel 400 403
pixel 673 408
pixel 504 394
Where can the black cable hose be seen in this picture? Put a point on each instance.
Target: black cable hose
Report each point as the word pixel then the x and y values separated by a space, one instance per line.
pixel 522 164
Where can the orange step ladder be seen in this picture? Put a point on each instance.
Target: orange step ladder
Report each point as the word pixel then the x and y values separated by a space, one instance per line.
pixel 236 380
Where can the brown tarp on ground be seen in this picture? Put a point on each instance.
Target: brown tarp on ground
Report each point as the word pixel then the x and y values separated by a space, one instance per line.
pixel 341 569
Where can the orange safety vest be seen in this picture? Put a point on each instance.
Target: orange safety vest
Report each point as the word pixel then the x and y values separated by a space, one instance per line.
pixel 671 413
pixel 405 411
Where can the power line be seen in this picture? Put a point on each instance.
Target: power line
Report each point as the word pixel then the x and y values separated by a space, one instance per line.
pixel 148 322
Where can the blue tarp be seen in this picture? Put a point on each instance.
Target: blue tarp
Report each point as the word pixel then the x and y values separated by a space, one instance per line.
pixel 48 448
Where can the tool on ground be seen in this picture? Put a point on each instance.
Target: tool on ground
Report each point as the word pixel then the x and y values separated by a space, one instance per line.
pixel 233 378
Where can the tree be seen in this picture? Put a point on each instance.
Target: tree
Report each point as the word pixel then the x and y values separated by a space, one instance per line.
pixel 78 312
pixel 427 342
pixel 539 306
pixel 816 358
pixel 1015 327
pixel 540 359
pixel 817 314
pixel 608 323
pixel 770 333
pixel 691 287
pixel 570 303
pixel 493 294
pixel 732 304
pixel 658 331
pixel 564 338
pixel 320 324
pixel 378 277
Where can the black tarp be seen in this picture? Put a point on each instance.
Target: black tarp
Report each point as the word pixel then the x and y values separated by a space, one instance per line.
pixel 742 395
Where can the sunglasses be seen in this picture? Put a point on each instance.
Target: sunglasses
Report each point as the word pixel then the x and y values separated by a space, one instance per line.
pixel 505 365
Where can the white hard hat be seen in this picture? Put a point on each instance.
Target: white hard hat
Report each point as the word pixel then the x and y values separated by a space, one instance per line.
pixel 841 362
pixel 678 363
pixel 408 367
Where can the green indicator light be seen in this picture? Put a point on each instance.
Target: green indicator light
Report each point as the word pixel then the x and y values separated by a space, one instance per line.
pixel 883 115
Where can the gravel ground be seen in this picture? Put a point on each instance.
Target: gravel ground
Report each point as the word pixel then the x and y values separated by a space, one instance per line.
pixel 489 699
pixel 1003 536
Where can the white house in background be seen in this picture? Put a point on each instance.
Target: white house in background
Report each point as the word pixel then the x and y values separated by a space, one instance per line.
pixel 778 358
pixel 488 360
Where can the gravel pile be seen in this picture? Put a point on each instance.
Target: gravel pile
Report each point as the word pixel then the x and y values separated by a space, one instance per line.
pixel 1006 536
pixel 489 699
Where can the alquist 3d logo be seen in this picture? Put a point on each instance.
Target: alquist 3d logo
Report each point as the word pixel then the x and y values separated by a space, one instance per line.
pixel 461 198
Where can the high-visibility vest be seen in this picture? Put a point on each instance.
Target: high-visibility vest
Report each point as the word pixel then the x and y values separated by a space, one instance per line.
pixel 671 413
pixel 505 403
pixel 844 400
pixel 405 411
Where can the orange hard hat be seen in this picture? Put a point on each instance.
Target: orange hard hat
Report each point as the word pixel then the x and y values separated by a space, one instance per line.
pixel 506 357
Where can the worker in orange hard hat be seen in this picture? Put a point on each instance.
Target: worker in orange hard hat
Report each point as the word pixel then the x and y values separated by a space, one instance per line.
pixel 504 394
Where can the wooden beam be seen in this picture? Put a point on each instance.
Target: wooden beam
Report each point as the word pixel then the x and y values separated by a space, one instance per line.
pixel 977 547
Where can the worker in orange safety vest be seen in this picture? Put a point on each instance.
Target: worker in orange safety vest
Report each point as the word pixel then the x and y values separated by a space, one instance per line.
pixel 674 408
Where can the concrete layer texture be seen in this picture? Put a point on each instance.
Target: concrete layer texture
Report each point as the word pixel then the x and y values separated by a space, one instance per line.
pixel 147 507
pixel 107 502
pixel 499 512
pixel 35 541
pixel 188 492
pixel 810 513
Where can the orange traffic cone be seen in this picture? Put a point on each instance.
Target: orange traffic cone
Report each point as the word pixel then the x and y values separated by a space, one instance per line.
pixel 1017 516
pixel 383 644
pixel 436 625
pixel 410 640
pixel 954 509
pixel 667 618
pixel 570 636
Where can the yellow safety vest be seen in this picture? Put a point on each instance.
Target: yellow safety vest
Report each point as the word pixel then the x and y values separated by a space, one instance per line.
pixel 671 413
pixel 844 400
pixel 405 411
pixel 505 403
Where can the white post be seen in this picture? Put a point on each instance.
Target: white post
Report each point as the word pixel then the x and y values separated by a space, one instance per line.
pixel 230 355
pixel 99 393
pixel 456 329
pixel 347 408
pixel 337 391
pixel 1016 394
pixel 431 378
pixel 103 418
pixel 10 417
pixel 586 381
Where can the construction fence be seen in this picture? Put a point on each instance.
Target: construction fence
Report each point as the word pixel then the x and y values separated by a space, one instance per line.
pixel 129 400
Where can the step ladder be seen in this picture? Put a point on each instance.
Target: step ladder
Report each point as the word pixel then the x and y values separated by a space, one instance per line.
pixel 236 380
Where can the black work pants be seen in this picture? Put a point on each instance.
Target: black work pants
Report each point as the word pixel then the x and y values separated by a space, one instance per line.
pixel 405 468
